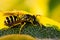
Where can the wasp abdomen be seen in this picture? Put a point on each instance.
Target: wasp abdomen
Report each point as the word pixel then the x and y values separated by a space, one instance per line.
pixel 10 20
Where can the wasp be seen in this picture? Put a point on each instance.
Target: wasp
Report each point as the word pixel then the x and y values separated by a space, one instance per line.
pixel 14 20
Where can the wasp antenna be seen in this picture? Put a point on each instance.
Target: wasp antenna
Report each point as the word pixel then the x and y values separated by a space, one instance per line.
pixel 37 15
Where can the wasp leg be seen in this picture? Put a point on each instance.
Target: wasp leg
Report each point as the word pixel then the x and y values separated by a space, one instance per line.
pixel 22 27
pixel 32 23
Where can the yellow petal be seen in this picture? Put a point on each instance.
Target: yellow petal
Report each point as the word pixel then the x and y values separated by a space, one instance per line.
pixel 45 20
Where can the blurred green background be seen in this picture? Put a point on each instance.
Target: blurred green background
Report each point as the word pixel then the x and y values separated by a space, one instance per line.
pixel 48 8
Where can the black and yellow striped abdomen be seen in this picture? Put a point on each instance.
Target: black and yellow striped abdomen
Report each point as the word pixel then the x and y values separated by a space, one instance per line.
pixel 11 20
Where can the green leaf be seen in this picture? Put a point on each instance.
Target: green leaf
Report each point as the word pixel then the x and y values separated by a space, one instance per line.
pixel 35 31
